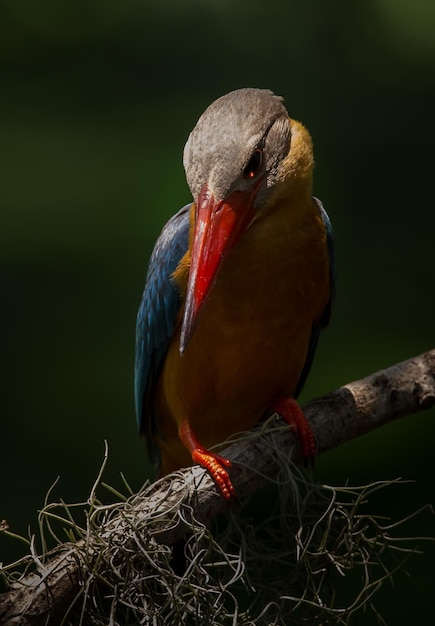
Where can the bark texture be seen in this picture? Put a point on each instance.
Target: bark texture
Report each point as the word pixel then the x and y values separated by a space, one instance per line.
pixel 43 597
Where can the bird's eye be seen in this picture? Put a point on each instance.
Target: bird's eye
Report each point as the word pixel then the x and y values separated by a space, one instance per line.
pixel 254 164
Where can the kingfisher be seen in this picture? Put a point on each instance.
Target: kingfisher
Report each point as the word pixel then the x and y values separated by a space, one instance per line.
pixel 240 283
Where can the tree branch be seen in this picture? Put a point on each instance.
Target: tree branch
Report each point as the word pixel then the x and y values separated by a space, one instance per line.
pixel 353 410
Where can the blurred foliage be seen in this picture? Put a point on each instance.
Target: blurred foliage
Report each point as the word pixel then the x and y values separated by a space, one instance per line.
pixel 97 100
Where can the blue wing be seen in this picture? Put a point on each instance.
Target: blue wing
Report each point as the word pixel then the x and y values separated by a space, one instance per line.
pixel 156 317
pixel 326 315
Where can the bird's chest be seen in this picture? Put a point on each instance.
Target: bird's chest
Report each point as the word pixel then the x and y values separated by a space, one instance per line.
pixel 251 340
pixel 270 291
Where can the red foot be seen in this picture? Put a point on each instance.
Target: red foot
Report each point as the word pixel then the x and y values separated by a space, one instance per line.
pixel 213 463
pixel 292 413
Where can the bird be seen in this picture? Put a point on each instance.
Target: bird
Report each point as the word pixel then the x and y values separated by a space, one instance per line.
pixel 239 285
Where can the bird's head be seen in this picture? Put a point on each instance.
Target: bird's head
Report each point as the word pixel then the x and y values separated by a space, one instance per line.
pixel 234 158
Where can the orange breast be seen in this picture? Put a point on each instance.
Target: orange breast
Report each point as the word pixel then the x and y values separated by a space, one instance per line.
pixel 251 340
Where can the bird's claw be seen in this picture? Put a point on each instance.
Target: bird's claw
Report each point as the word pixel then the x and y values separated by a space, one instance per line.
pixel 292 413
pixel 216 466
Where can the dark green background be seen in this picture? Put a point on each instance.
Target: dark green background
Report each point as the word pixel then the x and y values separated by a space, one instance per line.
pixel 97 99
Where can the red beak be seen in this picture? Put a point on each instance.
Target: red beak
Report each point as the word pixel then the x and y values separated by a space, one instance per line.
pixel 218 227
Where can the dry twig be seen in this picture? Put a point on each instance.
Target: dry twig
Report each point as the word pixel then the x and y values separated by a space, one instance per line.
pixel 182 505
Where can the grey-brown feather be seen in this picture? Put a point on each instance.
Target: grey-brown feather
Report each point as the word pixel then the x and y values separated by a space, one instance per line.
pixel 225 137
